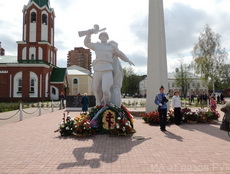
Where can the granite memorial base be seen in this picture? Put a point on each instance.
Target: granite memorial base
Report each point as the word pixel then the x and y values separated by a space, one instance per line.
pixel 73 103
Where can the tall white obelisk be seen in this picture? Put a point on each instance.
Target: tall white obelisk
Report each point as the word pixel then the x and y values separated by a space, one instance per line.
pixel 157 74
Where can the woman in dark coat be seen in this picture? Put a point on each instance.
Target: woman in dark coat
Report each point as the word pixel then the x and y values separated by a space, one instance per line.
pixel 226 110
pixel 85 103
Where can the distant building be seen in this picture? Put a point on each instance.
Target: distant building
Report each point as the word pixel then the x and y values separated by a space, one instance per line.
pixel 79 80
pixel 80 57
pixel 32 75
pixel 2 50
pixel 197 86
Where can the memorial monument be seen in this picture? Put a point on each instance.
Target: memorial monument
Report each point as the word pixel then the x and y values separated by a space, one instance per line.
pixel 157 61
pixel 107 77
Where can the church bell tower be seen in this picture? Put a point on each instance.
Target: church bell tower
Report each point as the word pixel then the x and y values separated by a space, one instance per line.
pixel 37 45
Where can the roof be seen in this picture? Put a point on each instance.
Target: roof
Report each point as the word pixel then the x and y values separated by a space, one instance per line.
pixel 42 3
pixel 171 75
pixel 77 70
pixel 8 59
pixel 58 75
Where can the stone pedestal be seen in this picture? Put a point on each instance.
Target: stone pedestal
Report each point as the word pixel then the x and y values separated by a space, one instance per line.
pixel 157 62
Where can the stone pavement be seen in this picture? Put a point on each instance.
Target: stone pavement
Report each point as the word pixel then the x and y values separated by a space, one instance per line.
pixel 31 146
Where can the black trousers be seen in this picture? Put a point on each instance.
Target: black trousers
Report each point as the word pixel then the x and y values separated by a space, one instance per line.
pixel 163 115
pixel 177 116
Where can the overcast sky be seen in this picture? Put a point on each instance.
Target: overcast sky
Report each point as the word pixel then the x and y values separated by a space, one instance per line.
pixel 126 22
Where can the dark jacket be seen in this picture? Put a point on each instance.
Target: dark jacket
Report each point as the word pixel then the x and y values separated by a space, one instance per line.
pixel 226 110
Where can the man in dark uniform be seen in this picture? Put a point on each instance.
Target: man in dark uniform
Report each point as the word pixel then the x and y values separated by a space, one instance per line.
pixel 161 100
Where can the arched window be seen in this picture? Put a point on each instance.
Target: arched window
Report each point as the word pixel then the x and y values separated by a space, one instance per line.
pixel 19 85
pixel 53 91
pixel 75 81
pixel 33 17
pixel 32 56
pixel 44 19
pixel 32 85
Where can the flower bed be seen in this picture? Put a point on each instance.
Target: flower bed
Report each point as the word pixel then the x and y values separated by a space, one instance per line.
pixel 101 119
pixel 188 116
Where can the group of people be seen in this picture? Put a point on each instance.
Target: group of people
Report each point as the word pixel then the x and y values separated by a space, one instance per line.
pixel 161 100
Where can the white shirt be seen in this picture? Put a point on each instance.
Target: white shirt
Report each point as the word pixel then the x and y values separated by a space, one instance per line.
pixel 176 103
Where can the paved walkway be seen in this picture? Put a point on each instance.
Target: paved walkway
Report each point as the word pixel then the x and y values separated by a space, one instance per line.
pixel 31 146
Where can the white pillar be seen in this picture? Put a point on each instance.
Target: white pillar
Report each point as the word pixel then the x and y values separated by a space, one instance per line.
pixel 157 74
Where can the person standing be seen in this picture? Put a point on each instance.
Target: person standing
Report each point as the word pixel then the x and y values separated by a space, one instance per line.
pixel 161 100
pixel 176 104
pixel 85 103
pixel 62 98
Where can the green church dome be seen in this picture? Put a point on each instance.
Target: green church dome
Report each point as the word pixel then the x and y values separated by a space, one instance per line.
pixel 41 3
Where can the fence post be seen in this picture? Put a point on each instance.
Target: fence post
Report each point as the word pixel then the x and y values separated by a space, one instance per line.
pixel 20 108
pixel 52 106
pixel 40 108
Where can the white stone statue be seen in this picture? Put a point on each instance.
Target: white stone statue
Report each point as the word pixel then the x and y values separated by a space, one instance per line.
pixel 107 77
pixel 117 79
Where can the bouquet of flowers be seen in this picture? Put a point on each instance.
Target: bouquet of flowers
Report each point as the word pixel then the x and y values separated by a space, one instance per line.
pixel 123 127
pixel 170 116
pixel 191 116
pixel 151 118
pixel 66 126
pixel 82 126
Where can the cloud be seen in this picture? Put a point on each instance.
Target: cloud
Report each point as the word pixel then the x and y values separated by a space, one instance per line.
pixel 9 44
pixel 182 24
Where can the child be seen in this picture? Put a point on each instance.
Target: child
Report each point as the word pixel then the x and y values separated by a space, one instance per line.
pixel 212 103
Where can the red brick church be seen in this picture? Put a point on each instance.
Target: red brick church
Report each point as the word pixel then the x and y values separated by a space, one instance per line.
pixel 33 76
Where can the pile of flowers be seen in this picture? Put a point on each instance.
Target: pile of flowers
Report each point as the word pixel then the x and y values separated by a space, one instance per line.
pixel 200 116
pixel 101 119
pixel 66 126
pixel 78 126
pixel 82 126
pixel 151 118
pixel 207 116
pixel 188 116
pixel 123 127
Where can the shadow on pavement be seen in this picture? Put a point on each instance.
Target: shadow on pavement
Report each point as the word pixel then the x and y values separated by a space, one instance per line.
pixel 171 135
pixel 210 129
pixel 104 149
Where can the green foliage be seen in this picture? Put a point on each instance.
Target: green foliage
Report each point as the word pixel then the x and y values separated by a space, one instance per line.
pixel 130 82
pixel 183 78
pixel 208 56
pixel 4 107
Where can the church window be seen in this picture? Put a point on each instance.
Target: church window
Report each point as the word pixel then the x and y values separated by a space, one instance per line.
pixel 32 56
pixel 75 81
pixel 32 85
pixel 44 19
pixel 19 85
pixel 53 91
pixel 33 17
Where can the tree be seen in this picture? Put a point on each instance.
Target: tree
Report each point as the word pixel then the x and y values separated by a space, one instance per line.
pixel 130 82
pixel 208 56
pixel 225 78
pixel 183 78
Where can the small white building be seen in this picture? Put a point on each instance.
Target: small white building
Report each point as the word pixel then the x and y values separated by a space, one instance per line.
pixel 80 80
pixel 196 87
